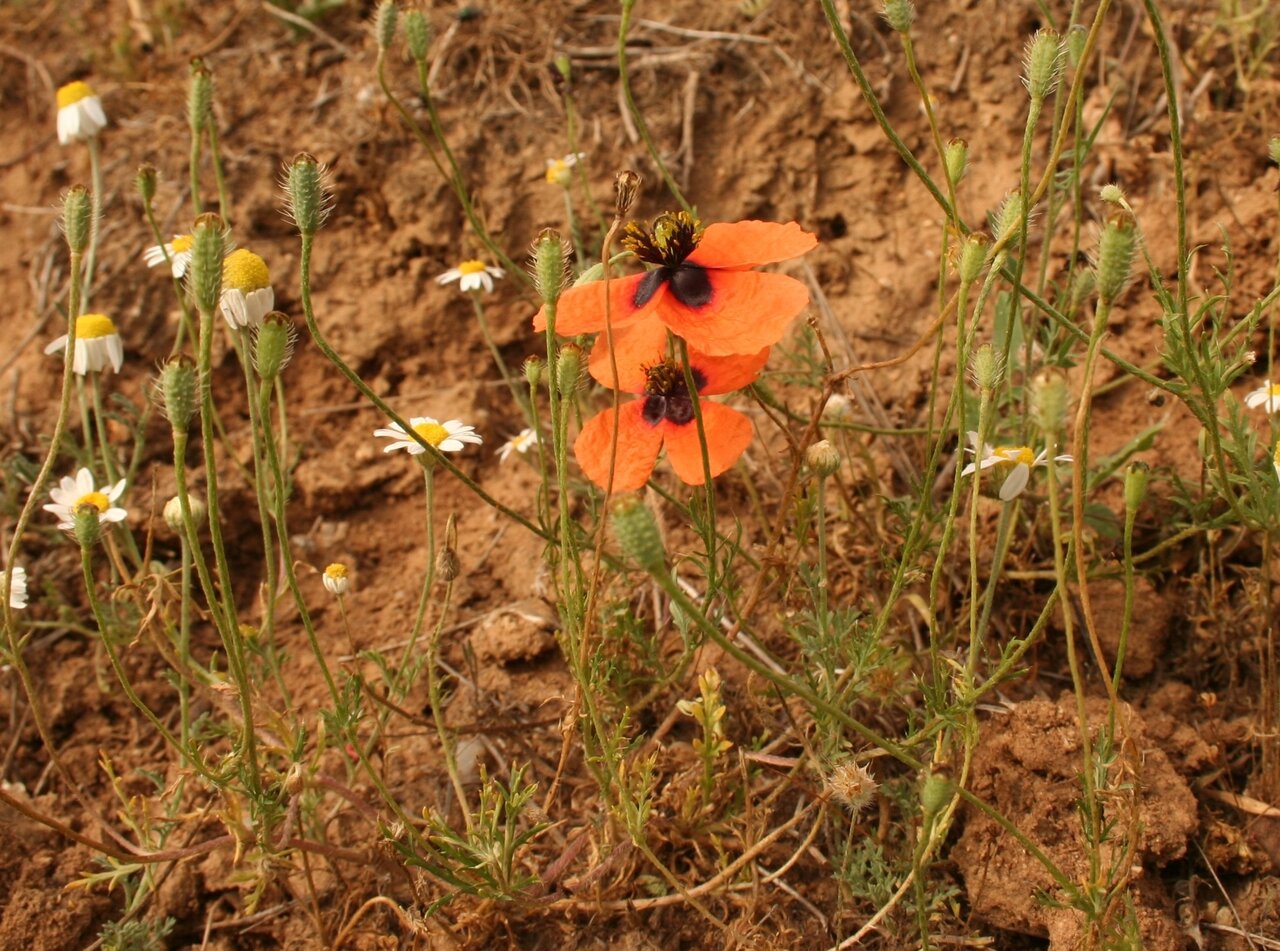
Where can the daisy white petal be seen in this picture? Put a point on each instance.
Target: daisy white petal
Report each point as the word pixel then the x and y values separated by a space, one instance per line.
pixel 1267 395
pixel 1015 482
pixel 98 345
pixel 17 588
pixel 80 114
pixel 525 440
pixel 449 436
pixel 178 252
pixel 472 276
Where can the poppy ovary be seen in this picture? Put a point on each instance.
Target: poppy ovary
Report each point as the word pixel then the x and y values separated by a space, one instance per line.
pixel 671 238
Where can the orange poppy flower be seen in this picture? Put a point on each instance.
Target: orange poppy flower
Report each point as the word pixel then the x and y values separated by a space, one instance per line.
pixel 702 286
pixel 664 417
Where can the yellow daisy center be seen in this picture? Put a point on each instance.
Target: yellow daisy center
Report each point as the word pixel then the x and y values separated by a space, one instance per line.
pixel 1016 455
pixel 471 267
pixel 181 243
pixel 72 93
pixel 245 271
pixel 96 499
pixel 432 433
pixel 94 325
pixel 557 171
pixel 1275 456
pixel 336 571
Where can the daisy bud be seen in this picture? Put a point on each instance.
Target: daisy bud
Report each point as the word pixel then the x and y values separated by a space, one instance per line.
pixel 384 24
pixel 973 253
pixel 956 159
pixel 178 392
pixel 145 181
pixel 533 368
pixel 1135 485
pixel 77 216
pixel 87 526
pixel 899 14
pixel 987 368
pixel 305 196
pixel 1008 219
pixel 1115 256
pixel 550 255
pixel 273 345
pixel 822 458
pixel 935 794
pixel 1049 399
pixel 208 243
pixel 1273 149
pixel 418 32
pixel 173 511
pixel 569 369
pixel 637 533
pixel 1042 64
pixel 626 185
pixel 852 785
pixel 199 97
pixel 335 579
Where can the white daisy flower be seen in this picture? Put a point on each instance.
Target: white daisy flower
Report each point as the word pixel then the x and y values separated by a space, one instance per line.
pixel 521 443
pixel 247 296
pixel 472 276
pixel 1267 395
pixel 73 493
pixel 449 436
pixel 560 171
pixel 18 588
pixel 97 345
pixel 1275 459
pixel 335 578
pixel 179 253
pixel 80 114
pixel 1020 458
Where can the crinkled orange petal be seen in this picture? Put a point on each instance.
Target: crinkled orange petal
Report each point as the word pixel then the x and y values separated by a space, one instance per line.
pixel 580 310
pixel 639 344
pixel 726 374
pixel 748 311
pixel 728 435
pixel 744 244
pixel 638 445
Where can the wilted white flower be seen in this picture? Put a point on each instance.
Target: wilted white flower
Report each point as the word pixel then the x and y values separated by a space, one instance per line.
pixel 521 443
pixel 80 114
pixel 1020 458
pixel 335 578
pixel 97 344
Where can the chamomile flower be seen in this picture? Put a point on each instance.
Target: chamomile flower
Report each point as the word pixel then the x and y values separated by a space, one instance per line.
pixel 472 276
pixel 97 345
pixel 247 296
pixel 18 588
pixel 1267 395
pixel 336 580
pixel 80 114
pixel 179 252
pixel 560 171
pixel 521 443
pixel 72 494
pixel 449 436
pixel 1020 459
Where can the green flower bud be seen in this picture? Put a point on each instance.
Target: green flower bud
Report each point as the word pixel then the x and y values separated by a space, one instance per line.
pixel 822 458
pixel 1273 149
pixel 899 14
pixel 273 345
pixel 1112 194
pixel 1049 399
pixel 550 264
pixel 569 369
pixel 987 367
pixel 145 181
pixel 384 25
pixel 88 524
pixel 305 198
pixel 1135 486
pixel 173 511
pixel 77 218
pixel 1008 220
pixel 973 254
pixel 1076 39
pixel 637 533
pixel 956 159
pixel 178 392
pixel 418 33
pixel 533 368
pixel 199 97
pixel 1115 256
pixel 935 795
pixel 208 245
pixel 1042 64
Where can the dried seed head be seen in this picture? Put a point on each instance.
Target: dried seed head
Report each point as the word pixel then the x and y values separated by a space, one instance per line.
pixel 822 458
pixel 852 785
pixel 447 565
pixel 626 185
pixel 77 218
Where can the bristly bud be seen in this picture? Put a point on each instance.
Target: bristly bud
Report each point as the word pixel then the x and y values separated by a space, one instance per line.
pixel 273 345
pixel 1273 149
pixel 1112 195
pixel 1008 219
pixel 1049 398
pixel 935 794
pixel 569 369
pixel 987 368
pixel 145 181
pixel 384 25
pixel 626 185
pixel 637 533
pixel 208 246
pixel 852 785
pixel 1135 486
pixel 533 370
pixel 899 14
pixel 305 198
pixel 177 387
pixel 77 218
pixel 822 458
pixel 1115 256
pixel 417 31
pixel 550 264
pixel 199 97
pixel 956 160
pixel 973 253
pixel 173 511
pixel 88 525
pixel 1077 36
pixel 1042 64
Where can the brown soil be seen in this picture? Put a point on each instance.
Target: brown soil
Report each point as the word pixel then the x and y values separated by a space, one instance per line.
pixel 777 131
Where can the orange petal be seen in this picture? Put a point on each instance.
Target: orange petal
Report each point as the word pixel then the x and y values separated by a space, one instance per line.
pixel 638 445
pixel 726 374
pixel 639 344
pixel 581 309
pixel 745 244
pixel 748 311
pixel 728 435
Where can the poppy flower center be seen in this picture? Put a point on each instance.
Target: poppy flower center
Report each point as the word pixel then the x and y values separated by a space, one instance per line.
pixel 666 243
pixel 666 394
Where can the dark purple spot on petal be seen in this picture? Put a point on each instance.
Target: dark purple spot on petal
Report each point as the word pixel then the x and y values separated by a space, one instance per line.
pixel 679 410
pixel 691 286
pixel 648 286
pixel 655 408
